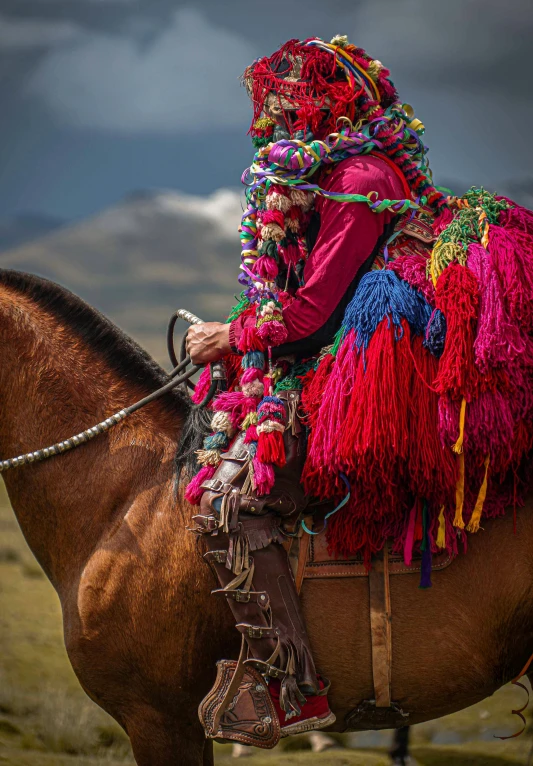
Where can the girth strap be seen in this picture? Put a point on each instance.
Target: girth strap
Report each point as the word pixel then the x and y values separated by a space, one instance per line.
pixel 380 625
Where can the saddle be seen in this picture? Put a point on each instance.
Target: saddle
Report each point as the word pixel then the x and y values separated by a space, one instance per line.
pixel 310 560
pixel 278 518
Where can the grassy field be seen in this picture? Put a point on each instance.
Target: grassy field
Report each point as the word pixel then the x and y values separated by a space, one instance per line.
pixel 46 719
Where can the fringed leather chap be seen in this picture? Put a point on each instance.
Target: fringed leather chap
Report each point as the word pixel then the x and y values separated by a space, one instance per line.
pixel 243 534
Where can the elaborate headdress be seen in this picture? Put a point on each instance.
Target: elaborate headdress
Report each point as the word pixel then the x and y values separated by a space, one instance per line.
pixel 329 101
pixel 319 83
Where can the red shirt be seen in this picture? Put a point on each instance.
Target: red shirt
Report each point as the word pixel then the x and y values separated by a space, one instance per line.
pixel 348 234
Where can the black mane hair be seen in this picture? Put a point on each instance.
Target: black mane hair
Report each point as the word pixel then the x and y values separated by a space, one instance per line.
pixel 118 350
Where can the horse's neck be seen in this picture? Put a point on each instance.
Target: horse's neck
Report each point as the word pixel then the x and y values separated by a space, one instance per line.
pixel 52 387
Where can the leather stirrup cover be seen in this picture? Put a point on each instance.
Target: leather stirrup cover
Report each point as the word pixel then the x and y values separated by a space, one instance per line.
pixel 250 717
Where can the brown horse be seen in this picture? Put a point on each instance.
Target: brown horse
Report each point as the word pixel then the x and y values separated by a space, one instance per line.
pixel 108 525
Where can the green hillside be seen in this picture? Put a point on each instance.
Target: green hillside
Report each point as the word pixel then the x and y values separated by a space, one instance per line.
pixel 141 260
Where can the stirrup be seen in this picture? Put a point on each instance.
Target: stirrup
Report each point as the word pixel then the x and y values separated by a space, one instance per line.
pixel 239 708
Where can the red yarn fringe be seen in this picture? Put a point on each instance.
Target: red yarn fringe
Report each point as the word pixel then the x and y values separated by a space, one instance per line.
pixel 457 296
pixel 194 491
pixel 271 448
pixel 432 467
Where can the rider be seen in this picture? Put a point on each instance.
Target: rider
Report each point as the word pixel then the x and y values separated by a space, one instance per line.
pixel 302 262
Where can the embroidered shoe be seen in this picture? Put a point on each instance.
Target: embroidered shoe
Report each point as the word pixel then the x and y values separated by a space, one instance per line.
pixel 315 712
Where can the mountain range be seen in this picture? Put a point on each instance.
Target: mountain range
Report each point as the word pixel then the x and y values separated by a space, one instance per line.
pixel 140 260
pixel 25 227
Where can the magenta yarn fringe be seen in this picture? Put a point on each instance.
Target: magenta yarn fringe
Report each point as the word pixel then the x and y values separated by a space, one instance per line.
pixel 194 492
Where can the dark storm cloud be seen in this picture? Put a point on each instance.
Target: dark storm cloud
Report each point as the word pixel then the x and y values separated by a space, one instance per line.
pixel 142 22
pixel 108 74
pixel 468 46
pixel 106 15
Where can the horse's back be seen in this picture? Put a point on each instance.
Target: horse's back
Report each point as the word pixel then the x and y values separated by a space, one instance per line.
pixel 452 644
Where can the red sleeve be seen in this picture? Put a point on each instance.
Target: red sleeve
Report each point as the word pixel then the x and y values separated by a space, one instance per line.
pixel 347 236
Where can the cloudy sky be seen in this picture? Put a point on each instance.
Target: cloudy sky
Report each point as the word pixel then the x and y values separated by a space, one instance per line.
pixel 103 97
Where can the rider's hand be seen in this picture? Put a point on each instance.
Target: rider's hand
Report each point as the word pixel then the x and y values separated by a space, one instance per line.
pixel 208 342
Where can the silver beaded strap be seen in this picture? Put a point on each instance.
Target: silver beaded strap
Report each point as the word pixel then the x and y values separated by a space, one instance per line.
pixel 105 425
pixel 188 317
pixel 68 444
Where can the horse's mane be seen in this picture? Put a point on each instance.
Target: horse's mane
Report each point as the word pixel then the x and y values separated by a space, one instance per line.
pixel 120 352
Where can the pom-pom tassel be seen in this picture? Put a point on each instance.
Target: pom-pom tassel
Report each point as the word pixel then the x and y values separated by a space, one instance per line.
pixel 271 416
pixel 208 456
pixel 473 524
pixel 194 491
pixel 266 268
pixel 263 477
pixel 249 420
pixel 440 542
pixel 270 325
pixel 270 446
pixel 460 494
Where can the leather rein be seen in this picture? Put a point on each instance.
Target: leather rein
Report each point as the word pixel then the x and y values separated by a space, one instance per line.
pixel 218 379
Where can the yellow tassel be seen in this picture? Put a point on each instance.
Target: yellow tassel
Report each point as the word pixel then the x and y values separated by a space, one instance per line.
pixel 484 224
pixel 460 494
pixel 442 255
pixel 249 420
pixel 276 375
pixel 264 122
pixel 441 534
pixel 473 524
pixel 458 446
pixel 485 240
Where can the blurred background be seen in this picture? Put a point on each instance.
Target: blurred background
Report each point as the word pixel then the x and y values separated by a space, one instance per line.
pixel 122 143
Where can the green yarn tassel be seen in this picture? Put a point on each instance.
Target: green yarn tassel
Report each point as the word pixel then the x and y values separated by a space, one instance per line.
pixel 239 308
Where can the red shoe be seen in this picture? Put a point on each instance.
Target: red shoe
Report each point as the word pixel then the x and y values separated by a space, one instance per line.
pixel 315 712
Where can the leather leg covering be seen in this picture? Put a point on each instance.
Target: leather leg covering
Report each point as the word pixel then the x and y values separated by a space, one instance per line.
pixel 265 604
pixel 273 575
pixel 243 536
pixel 248 605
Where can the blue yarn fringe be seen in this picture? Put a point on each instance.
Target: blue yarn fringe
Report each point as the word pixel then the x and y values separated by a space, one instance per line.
pixel 435 337
pixel 383 294
pixel 216 441
pixel 253 359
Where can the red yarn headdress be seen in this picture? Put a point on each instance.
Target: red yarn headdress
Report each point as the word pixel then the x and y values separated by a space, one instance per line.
pixel 319 82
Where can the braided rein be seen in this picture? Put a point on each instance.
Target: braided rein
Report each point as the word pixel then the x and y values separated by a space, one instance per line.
pixel 90 433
